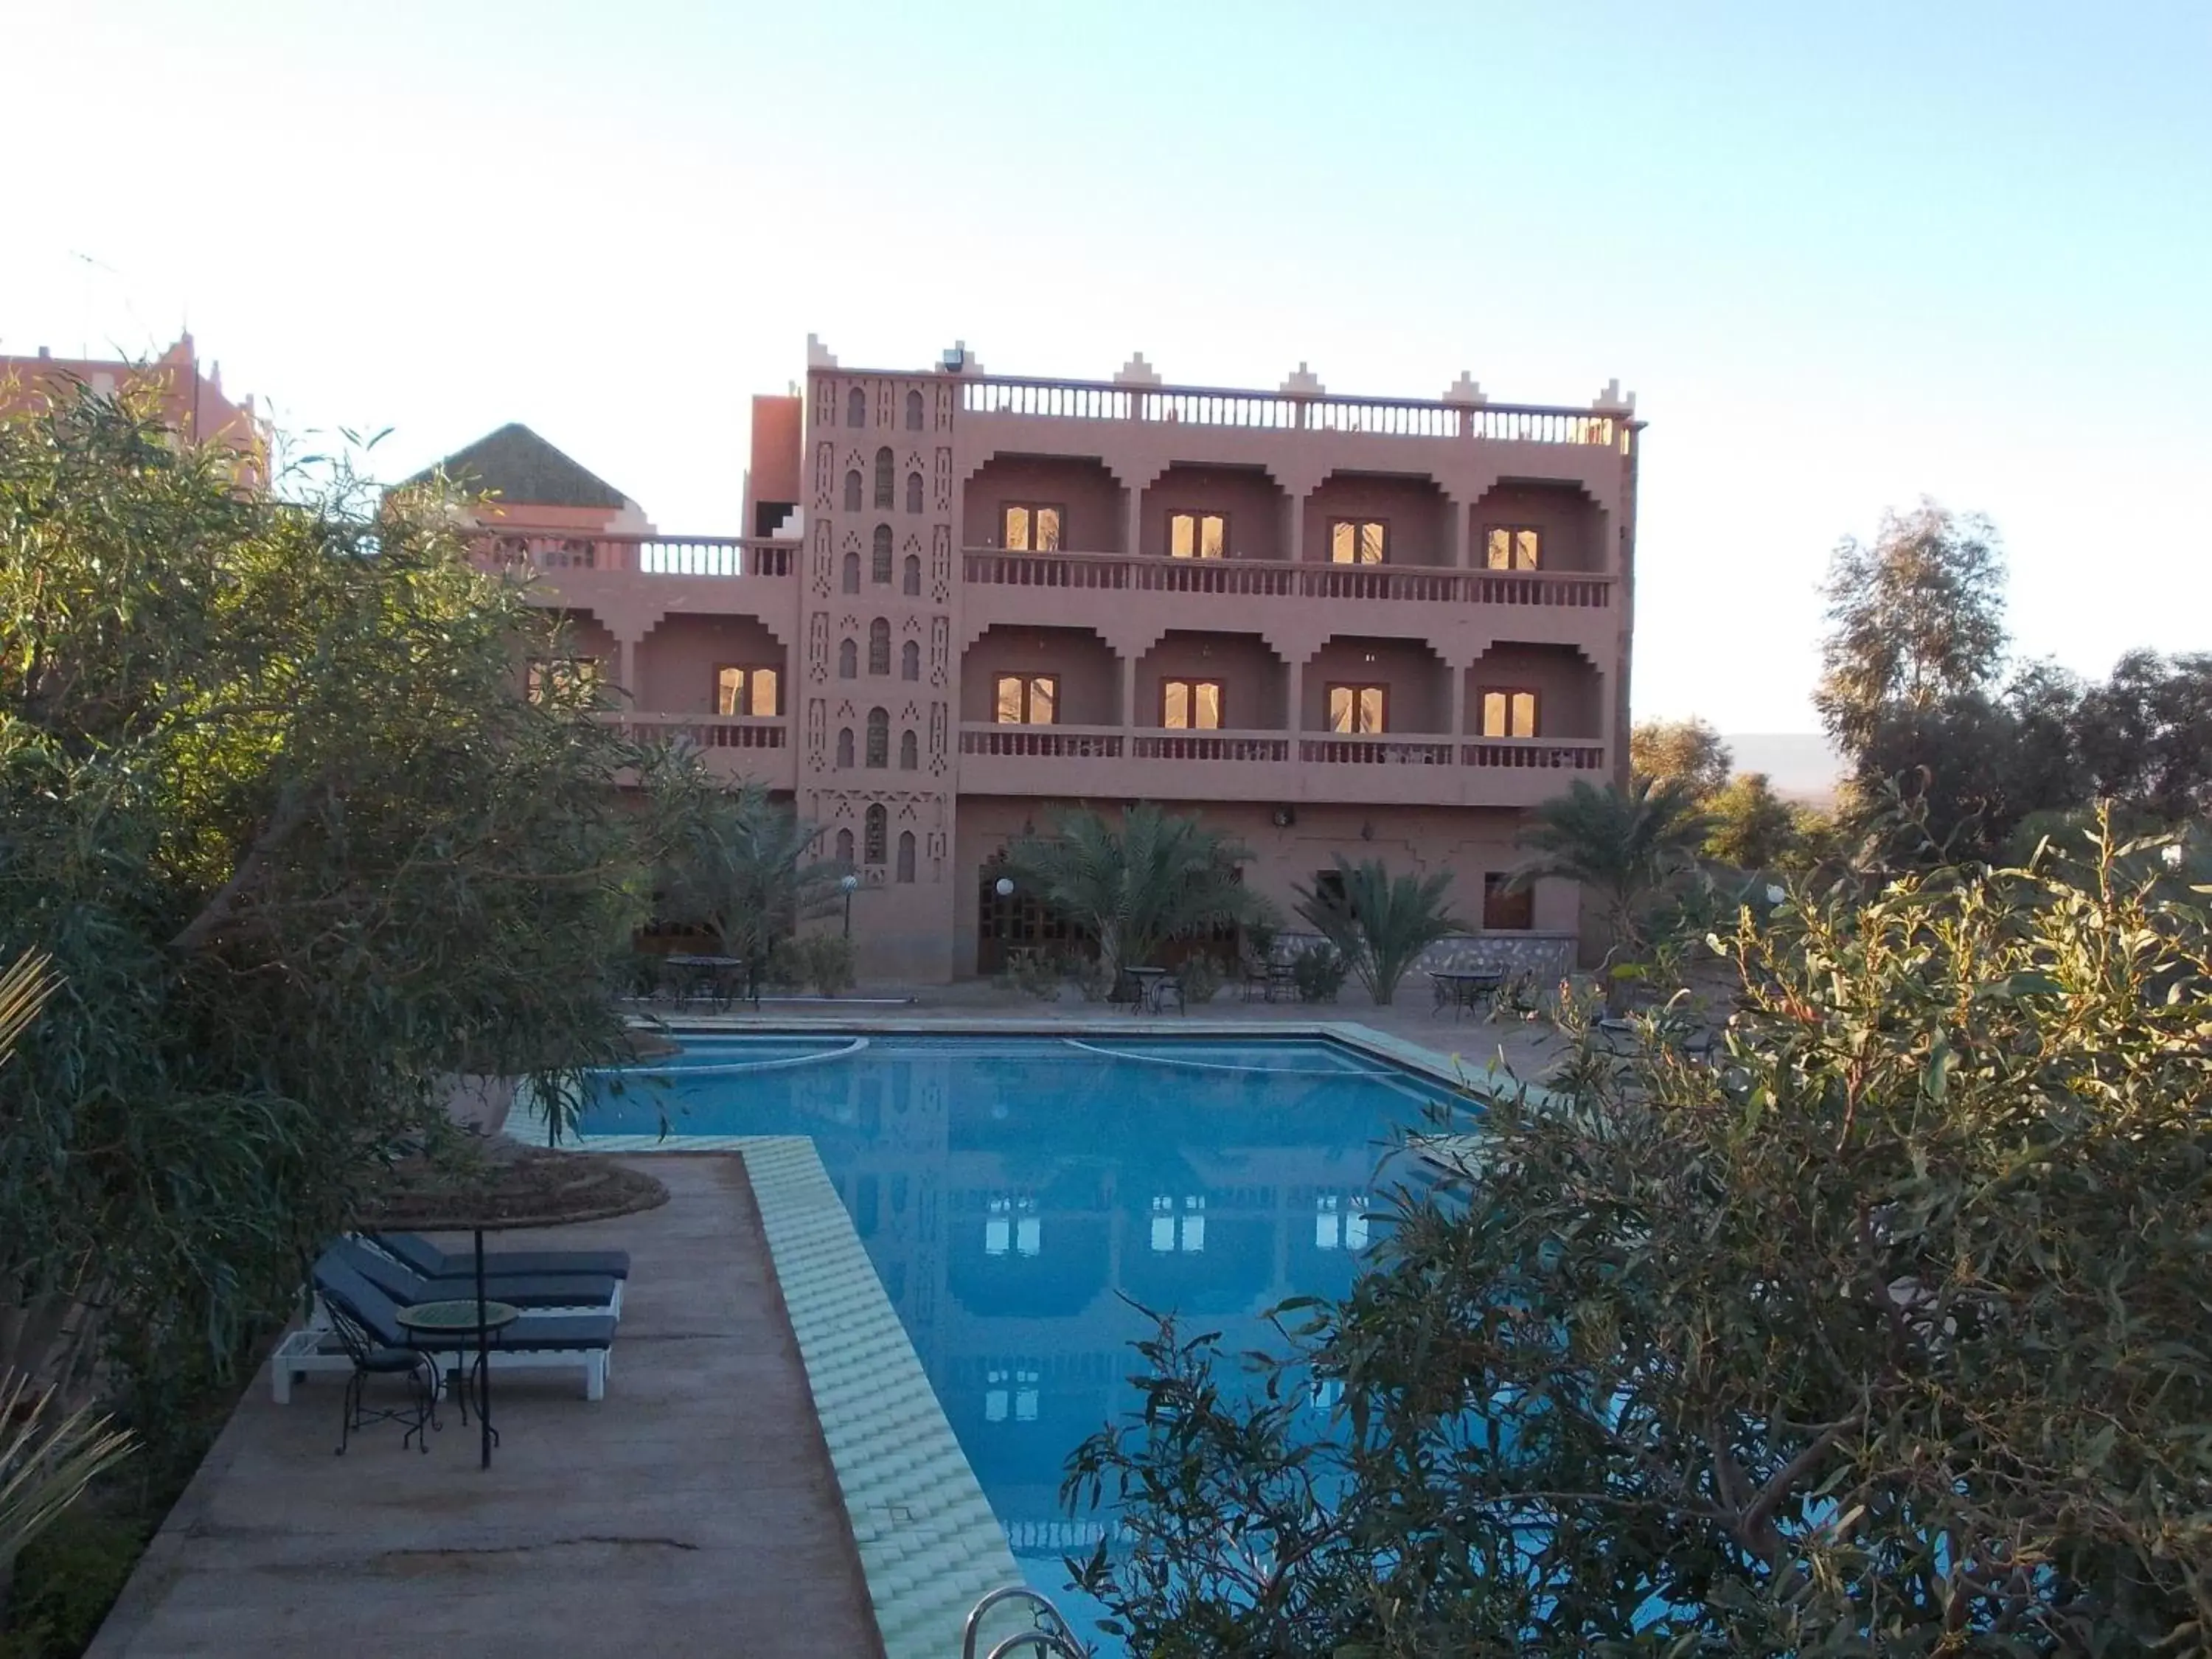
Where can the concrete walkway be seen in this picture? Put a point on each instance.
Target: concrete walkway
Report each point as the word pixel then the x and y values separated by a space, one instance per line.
pixel 694 1511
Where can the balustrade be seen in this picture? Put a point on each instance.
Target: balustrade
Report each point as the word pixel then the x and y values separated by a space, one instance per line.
pixel 648 555
pixel 706 730
pixel 1534 752
pixel 1374 751
pixel 1276 579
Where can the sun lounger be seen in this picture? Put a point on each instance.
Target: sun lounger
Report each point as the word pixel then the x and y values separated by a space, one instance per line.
pixel 532 1293
pixel 426 1259
pixel 535 1342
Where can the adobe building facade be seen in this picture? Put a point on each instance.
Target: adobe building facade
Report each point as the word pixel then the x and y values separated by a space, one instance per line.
pixel 1378 627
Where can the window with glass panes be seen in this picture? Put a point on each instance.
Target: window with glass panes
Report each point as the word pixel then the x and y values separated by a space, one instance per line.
pixel 1190 705
pixel 1026 700
pixel 1512 547
pixel 745 691
pixel 1356 541
pixel 1507 711
pixel 1358 708
pixel 562 680
pixel 1198 535
pixel 1031 527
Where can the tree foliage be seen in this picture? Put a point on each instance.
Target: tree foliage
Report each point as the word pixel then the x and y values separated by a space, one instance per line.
pixel 1690 750
pixel 272 798
pixel 1136 886
pixel 1882 1333
pixel 1623 845
pixel 742 864
pixel 1380 923
pixel 1752 827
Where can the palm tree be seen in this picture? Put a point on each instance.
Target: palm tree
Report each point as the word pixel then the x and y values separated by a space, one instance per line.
pixel 1380 923
pixel 741 863
pixel 1136 886
pixel 45 1464
pixel 1623 845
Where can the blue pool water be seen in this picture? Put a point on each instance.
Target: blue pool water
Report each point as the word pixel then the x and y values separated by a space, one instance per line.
pixel 1011 1191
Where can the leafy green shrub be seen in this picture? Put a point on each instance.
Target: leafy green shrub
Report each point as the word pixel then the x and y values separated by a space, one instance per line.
pixel 66 1579
pixel 1039 974
pixel 824 961
pixel 1318 971
pixel 1200 978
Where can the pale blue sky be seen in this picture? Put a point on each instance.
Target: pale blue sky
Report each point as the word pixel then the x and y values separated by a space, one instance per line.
pixel 1844 254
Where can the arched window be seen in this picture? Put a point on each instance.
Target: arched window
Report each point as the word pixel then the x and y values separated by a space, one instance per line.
pixel 879 647
pixel 910 661
pixel 880 556
pixel 885 472
pixel 909 752
pixel 914 412
pixel 856 407
pixel 851 583
pixel 911 579
pixel 879 741
pixel 848 659
pixel 913 492
pixel 876 831
pixel 906 855
pixel 845 848
pixel 844 748
pixel 853 491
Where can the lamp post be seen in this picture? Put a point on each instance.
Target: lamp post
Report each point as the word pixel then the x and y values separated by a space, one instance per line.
pixel 848 882
pixel 1004 887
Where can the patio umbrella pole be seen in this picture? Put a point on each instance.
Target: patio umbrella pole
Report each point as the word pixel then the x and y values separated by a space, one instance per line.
pixel 483 1359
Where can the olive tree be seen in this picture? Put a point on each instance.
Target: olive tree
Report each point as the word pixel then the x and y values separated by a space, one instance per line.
pixel 1881 1331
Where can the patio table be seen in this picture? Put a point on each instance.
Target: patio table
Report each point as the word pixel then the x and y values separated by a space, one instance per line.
pixel 462 1321
pixel 1148 988
pixel 1465 988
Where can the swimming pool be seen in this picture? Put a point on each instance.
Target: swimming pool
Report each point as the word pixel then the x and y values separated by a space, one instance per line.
pixel 1011 1191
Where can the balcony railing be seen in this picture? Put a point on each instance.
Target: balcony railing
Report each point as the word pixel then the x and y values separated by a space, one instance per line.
pixel 647 556
pixel 1100 400
pixel 1375 751
pixel 1534 752
pixel 707 731
pixel 1246 746
pixel 1279 579
pixel 1049 742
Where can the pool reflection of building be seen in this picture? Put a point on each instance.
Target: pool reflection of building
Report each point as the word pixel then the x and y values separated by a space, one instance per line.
pixel 1009 1265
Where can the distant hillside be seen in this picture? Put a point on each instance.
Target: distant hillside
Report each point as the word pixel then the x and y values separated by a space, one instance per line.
pixel 1799 764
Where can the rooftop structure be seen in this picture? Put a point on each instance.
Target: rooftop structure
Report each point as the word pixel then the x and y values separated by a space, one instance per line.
pixel 191 400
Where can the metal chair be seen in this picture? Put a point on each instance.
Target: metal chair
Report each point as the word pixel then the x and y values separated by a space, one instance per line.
pixel 372 1358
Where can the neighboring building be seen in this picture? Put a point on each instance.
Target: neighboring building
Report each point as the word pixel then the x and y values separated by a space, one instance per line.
pixel 192 402
pixel 1378 627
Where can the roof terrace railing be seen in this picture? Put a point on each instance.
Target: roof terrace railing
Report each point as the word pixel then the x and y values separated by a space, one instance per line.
pixel 647 556
pixel 1407 417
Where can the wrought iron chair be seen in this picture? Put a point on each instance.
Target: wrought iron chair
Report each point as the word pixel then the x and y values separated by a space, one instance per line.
pixel 372 1358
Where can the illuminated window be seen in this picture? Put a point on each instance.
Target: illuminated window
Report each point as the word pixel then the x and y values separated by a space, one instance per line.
pixel 914 412
pixel 853 491
pixel 1026 700
pixel 1179 1228
pixel 856 408
pixel 886 470
pixel 1190 705
pixel 879 556
pixel 906 858
pixel 745 690
pixel 910 661
pixel 1327 1391
pixel 913 492
pixel 1355 541
pixel 879 740
pixel 1508 712
pixel 1031 528
pixel 1358 708
pixel 875 831
pixel 1508 906
pixel 566 680
pixel 1507 547
pixel 1197 535
pixel 1014 1386
pixel 1340 1223
pixel 909 756
pixel 848 659
pixel 879 647
pixel 1009 1224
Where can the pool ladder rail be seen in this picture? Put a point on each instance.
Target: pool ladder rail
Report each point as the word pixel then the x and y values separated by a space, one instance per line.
pixel 1048 1637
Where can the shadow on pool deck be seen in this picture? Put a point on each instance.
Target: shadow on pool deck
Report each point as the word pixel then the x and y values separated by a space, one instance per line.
pixel 693 1511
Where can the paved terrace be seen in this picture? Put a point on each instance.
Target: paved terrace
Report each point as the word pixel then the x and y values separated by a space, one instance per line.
pixel 694 1511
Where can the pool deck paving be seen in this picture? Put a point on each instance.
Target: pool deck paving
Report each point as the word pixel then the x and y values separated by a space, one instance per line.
pixel 695 1511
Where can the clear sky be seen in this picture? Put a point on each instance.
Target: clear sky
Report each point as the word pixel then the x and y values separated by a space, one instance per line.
pixel 1845 254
